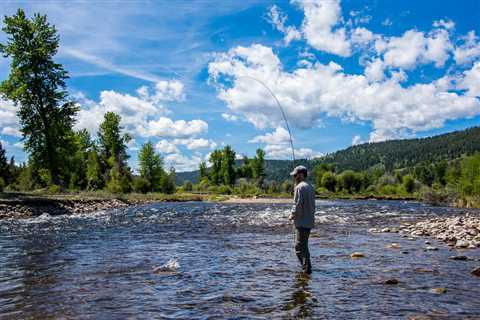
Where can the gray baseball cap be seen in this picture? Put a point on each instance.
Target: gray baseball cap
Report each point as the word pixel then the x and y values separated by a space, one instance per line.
pixel 298 169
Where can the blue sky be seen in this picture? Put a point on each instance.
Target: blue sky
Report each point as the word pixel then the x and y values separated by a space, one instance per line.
pixel 180 72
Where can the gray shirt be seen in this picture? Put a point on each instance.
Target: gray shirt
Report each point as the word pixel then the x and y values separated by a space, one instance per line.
pixel 304 208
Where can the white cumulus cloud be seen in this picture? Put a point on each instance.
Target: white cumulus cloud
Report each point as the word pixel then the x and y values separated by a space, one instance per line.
pixel 310 93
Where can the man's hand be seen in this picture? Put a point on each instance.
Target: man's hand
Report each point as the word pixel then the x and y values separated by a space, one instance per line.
pixel 292 216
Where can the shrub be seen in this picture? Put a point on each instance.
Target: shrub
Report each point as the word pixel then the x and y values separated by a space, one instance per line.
pixel 141 185
pixel 408 183
pixel 2 184
pixel 53 189
pixel 328 181
pixel 187 185
pixel 224 189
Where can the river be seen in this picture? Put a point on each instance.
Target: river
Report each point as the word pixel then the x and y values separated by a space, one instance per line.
pixel 217 261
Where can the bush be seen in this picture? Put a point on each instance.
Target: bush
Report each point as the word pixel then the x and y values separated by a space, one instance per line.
pixel 2 184
pixel 187 186
pixel 408 183
pixel 141 185
pixel 53 189
pixel 328 181
pixel 223 189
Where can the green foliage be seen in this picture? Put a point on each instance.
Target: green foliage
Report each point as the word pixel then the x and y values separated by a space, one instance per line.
pixel 216 168
pixel 258 167
pixel 36 84
pixel 2 184
pixel 287 186
pixel 408 183
pixel 203 170
pixel 470 175
pixel 151 166
pixel 94 174
pixel 113 153
pixel 228 166
pixel 141 185
pixel 346 181
pixel 187 186
pixel 328 181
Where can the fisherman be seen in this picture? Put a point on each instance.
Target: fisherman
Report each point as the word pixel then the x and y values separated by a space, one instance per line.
pixel 303 215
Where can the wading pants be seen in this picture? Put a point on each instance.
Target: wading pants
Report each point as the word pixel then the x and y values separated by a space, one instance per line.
pixel 301 245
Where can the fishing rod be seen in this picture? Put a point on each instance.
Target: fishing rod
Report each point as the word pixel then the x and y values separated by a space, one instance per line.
pixel 281 110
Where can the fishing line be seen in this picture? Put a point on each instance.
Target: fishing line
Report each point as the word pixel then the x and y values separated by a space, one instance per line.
pixel 294 234
pixel 284 116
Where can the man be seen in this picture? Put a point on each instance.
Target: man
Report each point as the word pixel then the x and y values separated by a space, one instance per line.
pixel 303 215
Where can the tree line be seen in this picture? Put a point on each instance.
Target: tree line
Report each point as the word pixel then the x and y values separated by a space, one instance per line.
pixel 58 156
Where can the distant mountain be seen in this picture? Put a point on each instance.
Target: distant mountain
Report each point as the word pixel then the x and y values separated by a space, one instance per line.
pixel 392 154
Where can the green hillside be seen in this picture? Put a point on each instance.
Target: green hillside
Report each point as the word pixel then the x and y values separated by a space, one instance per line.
pixel 391 154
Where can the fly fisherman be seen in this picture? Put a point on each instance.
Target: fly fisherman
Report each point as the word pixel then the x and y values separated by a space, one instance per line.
pixel 303 215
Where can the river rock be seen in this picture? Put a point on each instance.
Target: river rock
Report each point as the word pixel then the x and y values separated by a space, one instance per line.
pixel 459 258
pixel 431 248
pixel 438 290
pixel 476 271
pixel 462 244
pixel 391 281
pixel 356 255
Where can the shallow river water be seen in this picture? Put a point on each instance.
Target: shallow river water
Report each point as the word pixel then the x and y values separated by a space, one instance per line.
pixel 235 261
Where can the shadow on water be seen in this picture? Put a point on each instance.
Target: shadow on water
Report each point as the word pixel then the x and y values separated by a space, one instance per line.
pixel 302 302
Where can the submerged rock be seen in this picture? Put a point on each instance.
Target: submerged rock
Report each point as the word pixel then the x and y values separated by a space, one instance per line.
pixel 431 248
pixel 391 281
pixel 438 290
pixel 476 271
pixel 356 255
pixel 459 258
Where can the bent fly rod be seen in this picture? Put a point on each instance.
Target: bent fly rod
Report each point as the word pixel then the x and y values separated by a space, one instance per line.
pixel 281 110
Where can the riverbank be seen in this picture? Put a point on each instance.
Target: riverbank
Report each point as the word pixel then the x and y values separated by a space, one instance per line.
pixel 27 205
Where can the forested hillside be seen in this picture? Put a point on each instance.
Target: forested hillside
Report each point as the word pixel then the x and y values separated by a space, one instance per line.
pixel 393 154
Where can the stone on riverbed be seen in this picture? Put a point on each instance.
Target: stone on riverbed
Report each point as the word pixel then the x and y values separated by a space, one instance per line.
pixel 462 231
pixel 438 290
pixel 391 281
pixel 459 258
pixel 357 255
pixel 431 248
pixel 476 271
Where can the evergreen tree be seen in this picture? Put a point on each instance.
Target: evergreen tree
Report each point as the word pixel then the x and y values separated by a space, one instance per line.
pixel 36 84
pixel 4 167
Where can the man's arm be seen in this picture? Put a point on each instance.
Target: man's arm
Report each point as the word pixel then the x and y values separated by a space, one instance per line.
pixel 297 207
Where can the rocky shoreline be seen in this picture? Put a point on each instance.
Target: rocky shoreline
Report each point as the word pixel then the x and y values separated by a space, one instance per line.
pixel 33 207
pixel 462 232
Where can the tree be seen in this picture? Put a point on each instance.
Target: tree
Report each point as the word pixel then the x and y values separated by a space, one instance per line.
pixel 94 170
pixel 36 84
pixel 203 170
pixel 258 167
pixel 187 185
pixel 319 171
pixel 113 153
pixel 346 180
pixel 228 166
pixel 4 167
pixel 328 181
pixel 215 170
pixel 409 183
pixel 151 166
pixel 81 145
